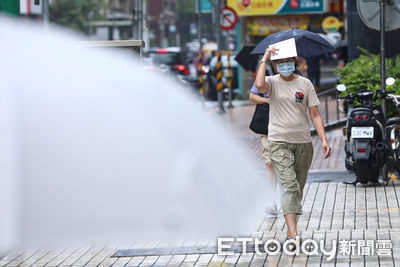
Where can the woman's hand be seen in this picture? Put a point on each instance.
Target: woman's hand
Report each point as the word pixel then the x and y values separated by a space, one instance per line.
pixel 260 76
pixel 326 149
pixel 319 126
pixel 268 52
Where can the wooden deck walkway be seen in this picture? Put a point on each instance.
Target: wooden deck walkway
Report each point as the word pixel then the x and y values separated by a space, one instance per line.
pixel 331 211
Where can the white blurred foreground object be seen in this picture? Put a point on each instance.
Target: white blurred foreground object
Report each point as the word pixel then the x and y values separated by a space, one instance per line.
pixel 95 148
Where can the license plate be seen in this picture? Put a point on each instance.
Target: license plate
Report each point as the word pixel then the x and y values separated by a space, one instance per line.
pixel 362 132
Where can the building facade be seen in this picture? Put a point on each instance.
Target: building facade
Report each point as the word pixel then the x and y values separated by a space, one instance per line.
pixel 158 17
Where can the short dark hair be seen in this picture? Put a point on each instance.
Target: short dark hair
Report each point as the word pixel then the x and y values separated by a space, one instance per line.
pixel 294 59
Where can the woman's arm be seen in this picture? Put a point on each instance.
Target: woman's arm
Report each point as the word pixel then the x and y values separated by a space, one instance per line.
pixel 260 83
pixel 319 126
pixel 258 99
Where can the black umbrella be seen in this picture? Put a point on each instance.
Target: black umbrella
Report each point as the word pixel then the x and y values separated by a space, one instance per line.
pixel 246 60
pixel 308 44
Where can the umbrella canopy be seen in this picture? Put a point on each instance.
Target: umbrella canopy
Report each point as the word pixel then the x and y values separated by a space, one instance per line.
pixel 246 60
pixel 308 44
pixel 96 148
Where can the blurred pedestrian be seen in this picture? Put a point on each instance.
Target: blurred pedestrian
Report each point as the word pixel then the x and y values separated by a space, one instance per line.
pixel 341 54
pixel 314 71
pixel 196 62
pixel 263 99
pixel 289 141
pixel 301 65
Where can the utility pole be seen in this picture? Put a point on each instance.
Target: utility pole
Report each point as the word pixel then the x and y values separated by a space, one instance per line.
pixel 140 19
pixel 140 24
pixel 383 54
pixel 220 91
pixel 145 32
pixel 45 13
pixel 218 26
pixel 134 19
pixel 199 24
pixel 200 70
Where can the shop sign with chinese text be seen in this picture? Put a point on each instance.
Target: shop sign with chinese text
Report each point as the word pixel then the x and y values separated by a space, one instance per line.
pixel 261 26
pixel 276 7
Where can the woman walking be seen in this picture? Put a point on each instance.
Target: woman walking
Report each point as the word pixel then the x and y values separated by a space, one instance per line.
pixel 289 140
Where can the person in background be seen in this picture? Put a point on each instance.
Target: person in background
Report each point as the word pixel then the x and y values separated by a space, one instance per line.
pixel 258 98
pixel 290 148
pixel 314 71
pixel 341 55
pixel 301 65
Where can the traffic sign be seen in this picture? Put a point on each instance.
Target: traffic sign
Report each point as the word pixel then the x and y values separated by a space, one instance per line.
pixel 369 13
pixel 229 18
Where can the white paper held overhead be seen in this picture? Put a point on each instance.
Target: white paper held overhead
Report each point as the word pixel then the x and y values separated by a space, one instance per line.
pixel 286 48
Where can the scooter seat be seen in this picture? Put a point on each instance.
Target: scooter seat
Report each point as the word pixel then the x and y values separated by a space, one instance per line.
pixel 361 109
pixel 394 120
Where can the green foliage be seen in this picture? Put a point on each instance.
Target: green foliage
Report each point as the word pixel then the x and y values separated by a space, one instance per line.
pixel 76 14
pixel 364 74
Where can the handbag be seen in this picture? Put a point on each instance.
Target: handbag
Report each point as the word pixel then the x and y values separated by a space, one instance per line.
pixel 260 120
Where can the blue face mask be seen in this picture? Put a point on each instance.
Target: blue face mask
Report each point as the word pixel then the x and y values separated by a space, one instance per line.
pixel 286 68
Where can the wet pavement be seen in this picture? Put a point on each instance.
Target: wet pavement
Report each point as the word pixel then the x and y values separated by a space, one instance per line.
pixel 238 119
pixel 332 212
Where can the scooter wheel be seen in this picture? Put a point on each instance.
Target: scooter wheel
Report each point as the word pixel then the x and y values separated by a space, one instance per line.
pixel 347 164
pixel 365 172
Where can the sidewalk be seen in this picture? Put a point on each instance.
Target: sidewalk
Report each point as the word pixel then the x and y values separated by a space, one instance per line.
pixel 331 211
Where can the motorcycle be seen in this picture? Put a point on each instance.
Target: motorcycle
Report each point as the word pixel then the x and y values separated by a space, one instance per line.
pixel 393 142
pixel 365 145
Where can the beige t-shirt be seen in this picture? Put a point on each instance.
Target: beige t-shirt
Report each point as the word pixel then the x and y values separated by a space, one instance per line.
pixel 288 113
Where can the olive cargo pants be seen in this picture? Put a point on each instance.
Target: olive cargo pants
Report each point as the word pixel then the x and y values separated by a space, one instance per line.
pixel 291 164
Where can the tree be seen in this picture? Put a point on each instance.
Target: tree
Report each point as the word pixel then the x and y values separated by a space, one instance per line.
pixel 76 14
pixel 363 73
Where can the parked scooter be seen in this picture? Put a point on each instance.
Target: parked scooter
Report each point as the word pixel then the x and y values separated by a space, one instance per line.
pixel 365 147
pixel 391 169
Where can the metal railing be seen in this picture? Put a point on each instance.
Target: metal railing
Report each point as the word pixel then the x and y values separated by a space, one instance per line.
pixel 330 110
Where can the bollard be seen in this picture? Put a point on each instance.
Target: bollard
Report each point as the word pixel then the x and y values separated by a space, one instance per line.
pixel 228 54
pixel 220 93
pixel 201 80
